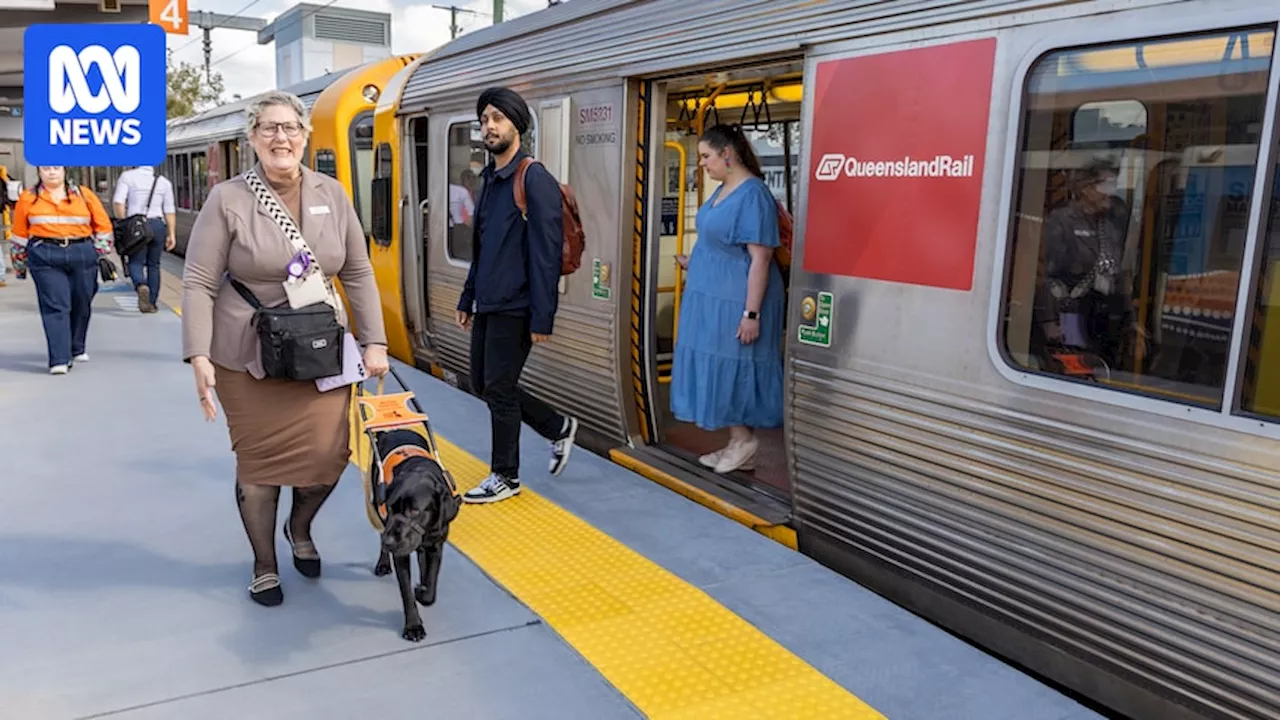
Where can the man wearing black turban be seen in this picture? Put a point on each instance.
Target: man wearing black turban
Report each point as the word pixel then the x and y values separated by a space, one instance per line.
pixel 510 104
pixel 510 297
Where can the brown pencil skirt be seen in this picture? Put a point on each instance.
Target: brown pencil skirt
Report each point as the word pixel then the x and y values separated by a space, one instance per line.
pixel 284 432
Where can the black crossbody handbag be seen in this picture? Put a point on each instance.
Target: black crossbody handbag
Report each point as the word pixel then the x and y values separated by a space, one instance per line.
pixel 134 232
pixel 296 343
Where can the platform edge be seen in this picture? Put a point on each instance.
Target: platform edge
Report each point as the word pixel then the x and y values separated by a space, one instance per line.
pixel 781 534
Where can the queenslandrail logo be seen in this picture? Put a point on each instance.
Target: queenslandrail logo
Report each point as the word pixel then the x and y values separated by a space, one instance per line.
pixel 834 166
pixel 98 88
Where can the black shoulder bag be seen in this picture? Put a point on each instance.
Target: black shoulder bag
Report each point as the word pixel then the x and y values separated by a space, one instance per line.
pixel 297 344
pixel 134 232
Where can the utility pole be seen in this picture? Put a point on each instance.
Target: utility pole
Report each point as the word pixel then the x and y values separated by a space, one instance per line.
pixel 497 11
pixel 454 28
pixel 207 21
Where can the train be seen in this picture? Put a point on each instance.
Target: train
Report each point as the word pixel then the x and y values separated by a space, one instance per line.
pixel 1098 504
pixel 207 147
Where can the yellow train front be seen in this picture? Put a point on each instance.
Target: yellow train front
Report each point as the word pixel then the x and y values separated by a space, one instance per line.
pixel 206 148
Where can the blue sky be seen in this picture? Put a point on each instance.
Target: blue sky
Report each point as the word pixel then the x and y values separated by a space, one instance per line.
pixel 249 68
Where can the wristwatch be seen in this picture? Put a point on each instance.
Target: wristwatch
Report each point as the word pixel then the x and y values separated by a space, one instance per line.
pixel 750 315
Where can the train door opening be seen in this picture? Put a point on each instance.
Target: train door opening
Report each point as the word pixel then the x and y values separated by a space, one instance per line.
pixel 419 227
pixel 765 103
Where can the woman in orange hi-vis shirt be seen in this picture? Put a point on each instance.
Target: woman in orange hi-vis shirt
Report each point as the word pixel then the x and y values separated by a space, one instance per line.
pixel 64 230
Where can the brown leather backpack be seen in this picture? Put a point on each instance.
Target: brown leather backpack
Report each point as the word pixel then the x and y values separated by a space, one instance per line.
pixel 575 240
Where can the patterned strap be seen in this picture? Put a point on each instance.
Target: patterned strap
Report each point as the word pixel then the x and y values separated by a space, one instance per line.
pixel 280 215
pixel 290 230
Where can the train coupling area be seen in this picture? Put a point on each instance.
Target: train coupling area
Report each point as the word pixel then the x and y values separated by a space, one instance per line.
pixel 596 594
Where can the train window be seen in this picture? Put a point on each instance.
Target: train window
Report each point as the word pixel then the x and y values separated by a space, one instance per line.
pixel 381 200
pixel 362 167
pixel 467 158
pixel 199 179
pixel 327 163
pixel 529 140
pixel 1132 201
pixel 382 161
pixel 1262 365
pixel 182 181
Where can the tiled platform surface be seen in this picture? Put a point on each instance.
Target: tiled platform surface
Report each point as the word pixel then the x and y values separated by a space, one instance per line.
pixel 123 568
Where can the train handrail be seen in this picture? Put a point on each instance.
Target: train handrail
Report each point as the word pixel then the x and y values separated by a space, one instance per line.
pixel 681 189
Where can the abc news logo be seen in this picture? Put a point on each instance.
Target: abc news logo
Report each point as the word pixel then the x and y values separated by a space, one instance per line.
pixel 121 73
pixel 833 166
pixel 98 87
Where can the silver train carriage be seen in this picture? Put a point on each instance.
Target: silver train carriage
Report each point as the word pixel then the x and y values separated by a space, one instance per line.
pixel 1102 511
pixel 207 148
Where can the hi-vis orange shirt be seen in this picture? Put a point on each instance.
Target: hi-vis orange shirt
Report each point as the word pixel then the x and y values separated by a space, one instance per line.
pixel 80 215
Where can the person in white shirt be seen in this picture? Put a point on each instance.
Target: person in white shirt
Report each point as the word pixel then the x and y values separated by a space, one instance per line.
pixel 132 191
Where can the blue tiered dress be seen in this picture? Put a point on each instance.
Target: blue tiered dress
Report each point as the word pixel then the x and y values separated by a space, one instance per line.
pixel 716 381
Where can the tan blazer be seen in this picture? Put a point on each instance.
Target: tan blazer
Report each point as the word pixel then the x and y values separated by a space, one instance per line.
pixel 234 234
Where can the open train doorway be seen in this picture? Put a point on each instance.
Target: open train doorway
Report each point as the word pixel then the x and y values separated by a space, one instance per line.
pixel 765 103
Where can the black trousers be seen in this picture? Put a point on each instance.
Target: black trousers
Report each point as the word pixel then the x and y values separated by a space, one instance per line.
pixel 500 344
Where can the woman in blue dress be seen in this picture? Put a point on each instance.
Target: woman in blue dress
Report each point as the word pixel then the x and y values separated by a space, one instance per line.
pixel 727 370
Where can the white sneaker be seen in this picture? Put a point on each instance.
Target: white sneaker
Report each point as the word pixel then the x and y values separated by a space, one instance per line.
pixel 561 448
pixel 738 457
pixel 59 370
pixel 82 357
pixel 494 488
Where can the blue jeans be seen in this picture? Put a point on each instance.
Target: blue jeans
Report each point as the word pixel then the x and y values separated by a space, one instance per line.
pixel 66 280
pixel 150 256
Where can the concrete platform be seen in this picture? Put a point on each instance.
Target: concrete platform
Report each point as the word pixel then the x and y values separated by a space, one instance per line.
pixel 123 573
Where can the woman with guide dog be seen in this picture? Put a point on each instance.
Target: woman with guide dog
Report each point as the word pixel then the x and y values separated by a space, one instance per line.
pixel 279 233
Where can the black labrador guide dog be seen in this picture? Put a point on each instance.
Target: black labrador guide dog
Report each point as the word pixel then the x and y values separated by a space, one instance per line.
pixel 413 500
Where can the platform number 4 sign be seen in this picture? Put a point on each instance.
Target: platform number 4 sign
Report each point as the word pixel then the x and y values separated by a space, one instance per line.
pixel 170 15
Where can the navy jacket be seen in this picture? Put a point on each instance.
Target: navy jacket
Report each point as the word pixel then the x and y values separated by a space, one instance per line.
pixel 515 264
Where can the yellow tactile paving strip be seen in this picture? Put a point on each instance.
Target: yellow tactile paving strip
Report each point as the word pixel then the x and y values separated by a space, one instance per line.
pixel 667 646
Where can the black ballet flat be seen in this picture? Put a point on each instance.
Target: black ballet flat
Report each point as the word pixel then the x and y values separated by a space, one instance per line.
pixel 266 591
pixel 309 567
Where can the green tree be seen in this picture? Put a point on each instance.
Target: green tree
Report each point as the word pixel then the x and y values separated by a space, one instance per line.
pixel 190 91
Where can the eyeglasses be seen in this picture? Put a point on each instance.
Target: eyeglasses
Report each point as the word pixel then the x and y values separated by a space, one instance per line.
pixel 291 129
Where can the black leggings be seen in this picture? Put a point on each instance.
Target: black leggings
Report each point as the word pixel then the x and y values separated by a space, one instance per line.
pixel 258 505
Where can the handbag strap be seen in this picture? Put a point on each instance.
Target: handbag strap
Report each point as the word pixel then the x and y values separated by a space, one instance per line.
pixel 146 208
pixel 280 215
pixel 245 293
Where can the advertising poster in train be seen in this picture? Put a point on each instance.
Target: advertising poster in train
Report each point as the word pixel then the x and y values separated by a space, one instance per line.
pixel 899 141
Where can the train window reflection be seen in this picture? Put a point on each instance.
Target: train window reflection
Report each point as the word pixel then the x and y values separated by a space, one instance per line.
pixel 1262 365
pixel 1133 191
pixel 467 158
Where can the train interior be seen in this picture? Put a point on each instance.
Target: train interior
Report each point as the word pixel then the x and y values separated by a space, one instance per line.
pixel 765 102
pixel 1178 122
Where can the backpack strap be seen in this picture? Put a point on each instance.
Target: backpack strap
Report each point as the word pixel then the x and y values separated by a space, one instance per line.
pixel 522 204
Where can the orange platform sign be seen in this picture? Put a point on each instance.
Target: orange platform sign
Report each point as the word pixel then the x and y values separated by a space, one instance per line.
pixel 171 15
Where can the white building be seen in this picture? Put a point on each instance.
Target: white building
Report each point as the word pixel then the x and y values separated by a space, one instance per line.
pixel 313 40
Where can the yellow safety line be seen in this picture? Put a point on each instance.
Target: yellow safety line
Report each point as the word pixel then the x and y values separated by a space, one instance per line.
pixel 670 648
pixel 779 533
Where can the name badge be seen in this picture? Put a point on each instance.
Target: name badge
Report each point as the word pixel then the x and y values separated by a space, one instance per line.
pixel 319 210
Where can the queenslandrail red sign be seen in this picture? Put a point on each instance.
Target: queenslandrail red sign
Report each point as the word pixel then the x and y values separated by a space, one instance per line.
pixel 834 166
pixel 897 169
